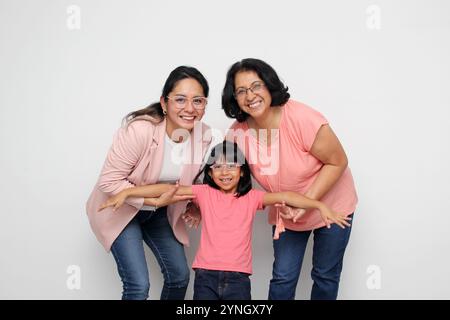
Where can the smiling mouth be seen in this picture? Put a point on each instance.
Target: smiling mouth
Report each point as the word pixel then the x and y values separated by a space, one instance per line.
pixel 188 118
pixel 225 180
pixel 255 104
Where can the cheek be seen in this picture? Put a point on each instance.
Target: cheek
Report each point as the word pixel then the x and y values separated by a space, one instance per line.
pixel 268 98
pixel 240 104
pixel 214 177
pixel 172 113
pixel 201 113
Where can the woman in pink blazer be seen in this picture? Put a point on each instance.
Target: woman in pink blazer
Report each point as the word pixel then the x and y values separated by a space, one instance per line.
pixel 165 142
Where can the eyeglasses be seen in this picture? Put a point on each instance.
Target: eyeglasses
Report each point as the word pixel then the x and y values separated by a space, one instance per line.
pixel 181 102
pixel 255 88
pixel 227 166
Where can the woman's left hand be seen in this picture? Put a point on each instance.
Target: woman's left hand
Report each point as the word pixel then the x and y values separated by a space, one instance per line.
pixel 329 216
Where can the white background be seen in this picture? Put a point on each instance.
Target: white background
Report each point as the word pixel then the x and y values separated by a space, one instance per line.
pixel 63 93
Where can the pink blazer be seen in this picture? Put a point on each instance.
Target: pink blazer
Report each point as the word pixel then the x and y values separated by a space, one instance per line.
pixel 134 159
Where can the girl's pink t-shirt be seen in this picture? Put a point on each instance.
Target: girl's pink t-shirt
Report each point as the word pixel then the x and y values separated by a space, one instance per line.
pixel 288 165
pixel 227 221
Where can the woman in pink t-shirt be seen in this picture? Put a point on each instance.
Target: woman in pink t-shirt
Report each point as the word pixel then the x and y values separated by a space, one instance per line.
pixel 228 205
pixel 291 147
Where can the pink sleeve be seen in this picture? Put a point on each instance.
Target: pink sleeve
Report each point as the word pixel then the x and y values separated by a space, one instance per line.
pixel 199 191
pixel 258 197
pixel 308 123
pixel 120 162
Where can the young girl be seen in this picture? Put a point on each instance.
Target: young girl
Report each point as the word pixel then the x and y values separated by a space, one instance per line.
pixel 228 205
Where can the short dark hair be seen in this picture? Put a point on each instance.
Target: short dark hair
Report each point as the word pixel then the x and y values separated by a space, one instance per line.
pixel 182 72
pixel 278 91
pixel 231 152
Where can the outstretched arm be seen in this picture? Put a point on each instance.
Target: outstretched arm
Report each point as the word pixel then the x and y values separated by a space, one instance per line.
pixel 292 199
pixel 297 200
pixel 156 190
pixel 158 195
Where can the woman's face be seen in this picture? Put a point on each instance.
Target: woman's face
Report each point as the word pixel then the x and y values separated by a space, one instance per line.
pixel 251 94
pixel 185 104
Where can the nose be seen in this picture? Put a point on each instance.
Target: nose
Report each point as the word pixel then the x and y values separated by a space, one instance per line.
pixel 249 94
pixel 224 170
pixel 189 107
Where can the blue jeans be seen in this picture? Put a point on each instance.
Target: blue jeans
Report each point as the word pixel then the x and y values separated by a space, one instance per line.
pixel 328 255
pixel 221 285
pixel 154 229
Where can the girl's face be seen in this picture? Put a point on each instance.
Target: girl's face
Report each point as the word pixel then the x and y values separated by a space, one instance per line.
pixel 185 104
pixel 226 175
pixel 251 94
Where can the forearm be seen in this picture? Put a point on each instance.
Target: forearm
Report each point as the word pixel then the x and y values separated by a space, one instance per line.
pixel 150 202
pixel 148 191
pixel 327 177
pixel 297 200
pixel 162 193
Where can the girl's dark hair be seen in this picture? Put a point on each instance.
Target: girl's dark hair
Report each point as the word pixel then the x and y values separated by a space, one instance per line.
pixel 231 153
pixel 155 110
pixel 278 91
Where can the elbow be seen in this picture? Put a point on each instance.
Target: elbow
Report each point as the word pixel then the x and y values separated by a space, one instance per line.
pixel 341 161
pixel 104 187
pixel 341 165
pixel 107 185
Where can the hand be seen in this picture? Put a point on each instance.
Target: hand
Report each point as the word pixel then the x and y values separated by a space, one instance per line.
pixel 115 201
pixel 290 213
pixel 329 217
pixel 192 216
pixel 170 197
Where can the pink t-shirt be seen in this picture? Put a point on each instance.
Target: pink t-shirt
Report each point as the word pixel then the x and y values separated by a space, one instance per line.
pixel 227 221
pixel 289 166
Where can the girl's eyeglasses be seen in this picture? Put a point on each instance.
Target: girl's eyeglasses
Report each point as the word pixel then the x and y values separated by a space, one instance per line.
pixel 226 166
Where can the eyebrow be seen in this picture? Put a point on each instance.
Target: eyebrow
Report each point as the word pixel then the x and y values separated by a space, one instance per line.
pixel 185 96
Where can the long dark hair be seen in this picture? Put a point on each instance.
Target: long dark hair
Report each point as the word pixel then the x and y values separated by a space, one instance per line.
pixel 155 110
pixel 231 153
pixel 278 91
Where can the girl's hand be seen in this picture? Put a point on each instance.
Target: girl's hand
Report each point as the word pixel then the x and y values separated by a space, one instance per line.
pixel 170 197
pixel 192 216
pixel 115 201
pixel 329 217
pixel 290 213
